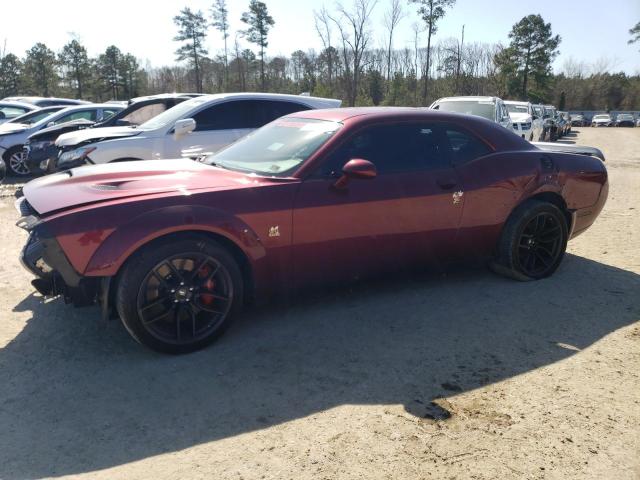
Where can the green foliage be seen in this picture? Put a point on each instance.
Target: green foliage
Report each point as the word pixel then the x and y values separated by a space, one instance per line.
pixel 469 69
pixel 375 87
pixel 10 75
pixel 259 23
pixel 192 29
pixel 431 11
pixel 76 66
pixel 563 101
pixel 635 34
pixel 220 21
pixel 532 50
pixel 40 71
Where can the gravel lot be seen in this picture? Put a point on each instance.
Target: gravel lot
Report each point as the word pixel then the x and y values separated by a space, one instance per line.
pixel 541 380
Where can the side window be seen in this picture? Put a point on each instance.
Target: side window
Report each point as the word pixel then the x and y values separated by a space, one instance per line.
pixel 393 149
pixel 277 109
pixel 106 113
pixel 464 146
pixel 82 114
pixel 142 114
pixel 223 116
pixel 12 112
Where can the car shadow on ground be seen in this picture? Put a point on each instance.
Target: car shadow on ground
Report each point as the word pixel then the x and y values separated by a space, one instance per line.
pixel 78 395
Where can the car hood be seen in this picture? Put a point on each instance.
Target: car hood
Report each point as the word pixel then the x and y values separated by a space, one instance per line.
pixel 9 128
pixel 113 181
pixel 520 117
pixel 55 130
pixel 91 135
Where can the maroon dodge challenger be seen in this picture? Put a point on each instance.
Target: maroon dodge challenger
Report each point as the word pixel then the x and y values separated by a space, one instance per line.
pixel 176 247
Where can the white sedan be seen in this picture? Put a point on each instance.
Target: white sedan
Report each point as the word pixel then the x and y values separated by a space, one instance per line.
pixel 194 128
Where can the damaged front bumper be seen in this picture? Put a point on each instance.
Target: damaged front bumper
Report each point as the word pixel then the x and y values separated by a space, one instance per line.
pixel 43 256
pixel 55 276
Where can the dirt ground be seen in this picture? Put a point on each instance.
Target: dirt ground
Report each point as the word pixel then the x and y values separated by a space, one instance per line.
pixel 541 380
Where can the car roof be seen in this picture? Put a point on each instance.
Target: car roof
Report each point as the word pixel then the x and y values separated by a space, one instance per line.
pixel 84 106
pixel 516 102
pixel 33 99
pixel 161 96
pixel 317 102
pixel 363 115
pixel 15 103
pixel 470 98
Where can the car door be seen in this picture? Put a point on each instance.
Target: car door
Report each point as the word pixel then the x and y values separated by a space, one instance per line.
pixel 408 214
pixel 216 127
pixel 492 184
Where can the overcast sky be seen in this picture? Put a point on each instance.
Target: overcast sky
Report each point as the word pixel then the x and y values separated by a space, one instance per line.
pixel 591 30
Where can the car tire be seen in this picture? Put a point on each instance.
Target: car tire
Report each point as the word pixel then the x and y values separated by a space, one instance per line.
pixel 191 307
pixel 3 170
pixel 16 162
pixel 532 243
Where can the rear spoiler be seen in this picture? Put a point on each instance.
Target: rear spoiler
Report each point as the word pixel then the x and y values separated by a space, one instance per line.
pixel 566 148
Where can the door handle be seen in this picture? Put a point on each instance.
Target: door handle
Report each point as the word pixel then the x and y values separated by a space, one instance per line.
pixel 446 184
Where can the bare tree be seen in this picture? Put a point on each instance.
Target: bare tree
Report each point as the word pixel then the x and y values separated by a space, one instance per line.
pixel 431 11
pixel 353 26
pixel 391 19
pixel 322 22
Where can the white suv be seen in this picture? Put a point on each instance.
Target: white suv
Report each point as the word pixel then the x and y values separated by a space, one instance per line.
pixel 491 108
pixel 525 121
pixel 196 127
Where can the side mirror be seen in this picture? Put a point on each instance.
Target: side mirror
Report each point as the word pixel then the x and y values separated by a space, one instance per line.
pixel 122 123
pixel 51 124
pixel 357 169
pixel 535 117
pixel 183 127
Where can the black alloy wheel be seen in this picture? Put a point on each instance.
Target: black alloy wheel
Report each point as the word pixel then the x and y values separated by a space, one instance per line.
pixel 179 293
pixel 184 298
pixel 540 245
pixel 533 241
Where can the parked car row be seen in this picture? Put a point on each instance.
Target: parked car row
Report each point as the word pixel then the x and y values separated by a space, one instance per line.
pixel 605 120
pixel 531 122
pixel 159 126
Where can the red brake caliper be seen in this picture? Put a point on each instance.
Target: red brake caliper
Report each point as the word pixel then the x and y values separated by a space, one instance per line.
pixel 210 285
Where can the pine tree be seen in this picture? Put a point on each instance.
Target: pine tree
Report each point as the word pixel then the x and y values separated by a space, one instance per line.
pixel 220 21
pixel 259 22
pixel 192 28
pixel 40 69
pixel 75 60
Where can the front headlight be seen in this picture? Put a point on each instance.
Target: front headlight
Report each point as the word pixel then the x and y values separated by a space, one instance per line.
pixel 77 155
pixel 34 146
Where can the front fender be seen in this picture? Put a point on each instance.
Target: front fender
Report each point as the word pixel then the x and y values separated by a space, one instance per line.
pixel 139 231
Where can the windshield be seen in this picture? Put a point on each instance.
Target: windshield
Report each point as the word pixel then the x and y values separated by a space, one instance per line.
pixel 517 108
pixel 276 148
pixel 601 117
pixel 625 116
pixel 479 109
pixel 172 115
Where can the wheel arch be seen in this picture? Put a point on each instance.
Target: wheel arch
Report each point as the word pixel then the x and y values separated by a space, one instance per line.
pixel 9 151
pixel 557 200
pixel 232 247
